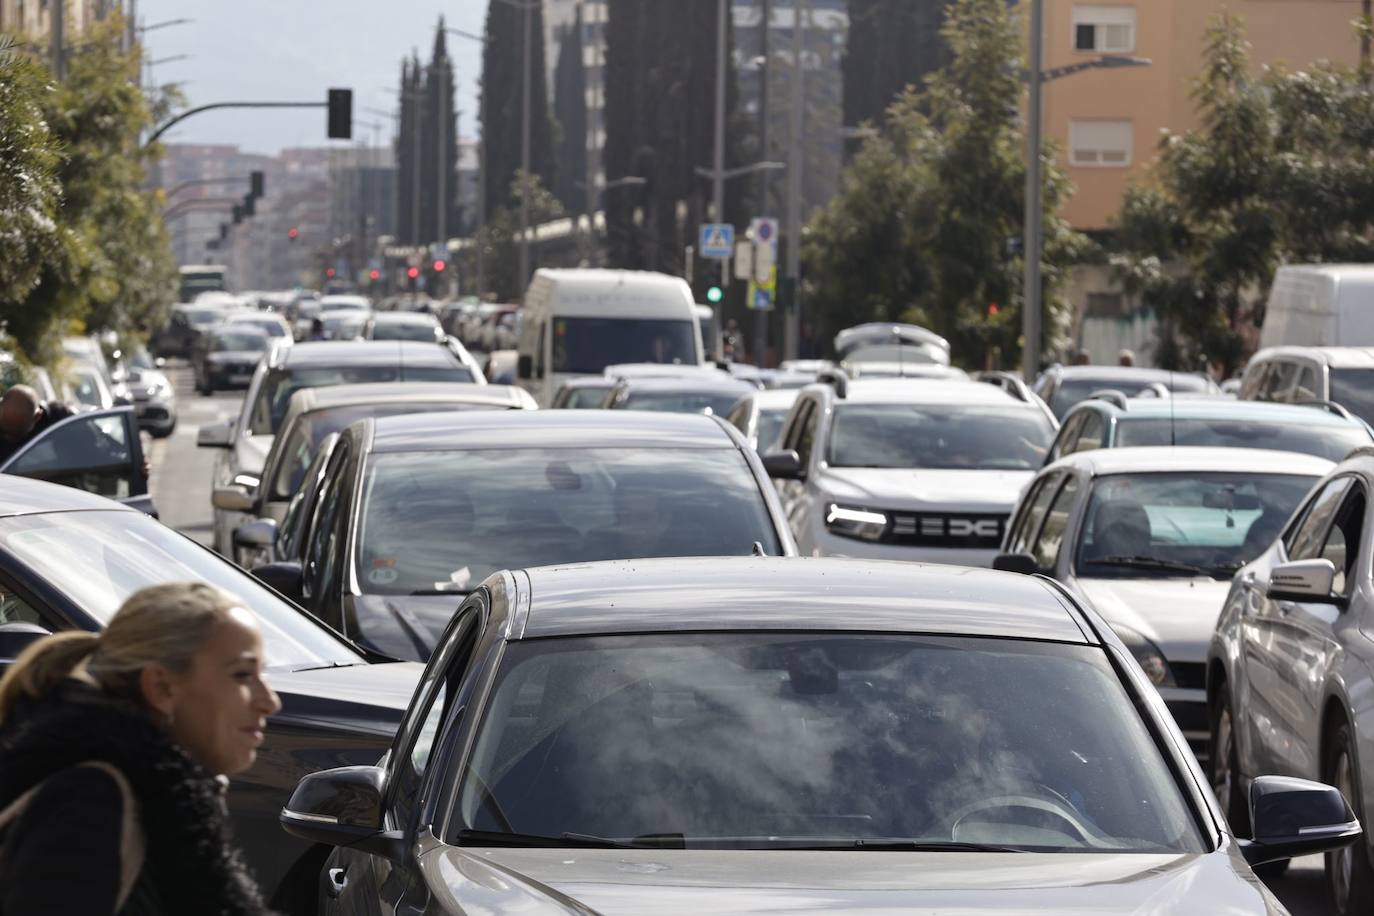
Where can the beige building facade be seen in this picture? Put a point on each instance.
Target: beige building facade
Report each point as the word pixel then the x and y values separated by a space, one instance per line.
pixel 1108 122
pixel 33 18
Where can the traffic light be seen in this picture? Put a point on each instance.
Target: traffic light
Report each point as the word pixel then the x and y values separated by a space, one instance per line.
pixel 439 266
pixel 341 114
pixel 238 214
pixel 375 275
pixel 255 184
pixel 329 272
pixel 715 294
pixel 293 233
pixel 413 272
pixel 248 206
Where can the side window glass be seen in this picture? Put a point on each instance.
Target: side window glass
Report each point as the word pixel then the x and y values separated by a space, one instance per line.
pixel 1252 388
pixel 1068 435
pixel 1051 539
pixel 1029 522
pixel 91 452
pixel 328 600
pixel 1091 435
pixel 1279 384
pixel 806 440
pixel 14 609
pixel 1343 542
pixel 322 525
pixel 1307 539
pixel 793 432
pixel 1306 389
pixel 739 417
pixel 539 353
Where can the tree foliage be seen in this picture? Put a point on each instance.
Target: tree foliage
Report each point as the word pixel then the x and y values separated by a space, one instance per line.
pixel 498 238
pixel 924 225
pixel 891 45
pixel 1277 171
pixel 502 101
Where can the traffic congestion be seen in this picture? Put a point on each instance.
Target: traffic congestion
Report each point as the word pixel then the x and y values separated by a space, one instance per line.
pixel 736 457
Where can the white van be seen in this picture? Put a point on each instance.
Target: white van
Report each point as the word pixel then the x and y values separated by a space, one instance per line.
pixel 1320 305
pixel 578 322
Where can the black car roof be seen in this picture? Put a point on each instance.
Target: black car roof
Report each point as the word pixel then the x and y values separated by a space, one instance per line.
pixel 797 593
pixel 546 429
pixel 365 353
pixel 22 496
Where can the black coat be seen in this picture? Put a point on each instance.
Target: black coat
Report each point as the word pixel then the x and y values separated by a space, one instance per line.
pixel 62 856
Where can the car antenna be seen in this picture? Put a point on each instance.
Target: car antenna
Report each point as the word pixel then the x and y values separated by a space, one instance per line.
pixel 1173 436
pixel 758 550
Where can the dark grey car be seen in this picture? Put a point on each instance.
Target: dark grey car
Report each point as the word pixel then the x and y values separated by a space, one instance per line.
pixel 790 736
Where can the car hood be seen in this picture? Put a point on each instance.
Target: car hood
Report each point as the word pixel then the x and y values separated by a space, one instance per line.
pixel 1178 615
pixel 920 489
pixel 632 881
pixel 363 697
pixel 403 626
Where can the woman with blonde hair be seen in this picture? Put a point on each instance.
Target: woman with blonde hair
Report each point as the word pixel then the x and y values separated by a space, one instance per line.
pixel 114 748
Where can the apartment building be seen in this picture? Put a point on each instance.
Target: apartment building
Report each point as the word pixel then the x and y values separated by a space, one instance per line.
pixel 33 18
pixel 1108 122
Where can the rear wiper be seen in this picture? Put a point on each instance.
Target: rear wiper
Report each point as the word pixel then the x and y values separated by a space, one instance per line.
pixel 503 838
pixel 1148 563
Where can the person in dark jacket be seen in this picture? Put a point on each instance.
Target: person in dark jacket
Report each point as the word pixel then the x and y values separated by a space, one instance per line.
pixel 23 416
pixel 114 748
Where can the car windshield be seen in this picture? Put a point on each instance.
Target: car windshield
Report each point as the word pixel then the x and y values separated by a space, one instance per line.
pixel 444 521
pixel 589 345
pixel 939 437
pixel 270 328
pixel 683 401
pixel 770 427
pixel 771 740
pixel 1328 440
pixel 406 330
pixel 232 341
pixel 275 394
pixel 98 559
pixel 298 449
pixel 202 316
pixel 1353 389
pixel 584 398
pixel 346 326
pixel 1184 524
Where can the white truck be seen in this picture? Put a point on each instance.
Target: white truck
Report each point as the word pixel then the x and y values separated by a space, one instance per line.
pixel 1320 305
pixel 579 321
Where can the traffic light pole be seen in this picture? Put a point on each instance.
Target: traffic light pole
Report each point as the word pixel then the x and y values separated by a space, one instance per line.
pixel 214 106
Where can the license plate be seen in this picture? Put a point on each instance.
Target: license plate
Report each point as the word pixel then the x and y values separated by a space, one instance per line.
pixel 240 379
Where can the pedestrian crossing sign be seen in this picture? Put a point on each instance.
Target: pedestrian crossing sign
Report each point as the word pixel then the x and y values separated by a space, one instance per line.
pixel 717 241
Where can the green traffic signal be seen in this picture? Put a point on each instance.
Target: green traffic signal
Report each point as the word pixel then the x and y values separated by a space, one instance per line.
pixel 715 294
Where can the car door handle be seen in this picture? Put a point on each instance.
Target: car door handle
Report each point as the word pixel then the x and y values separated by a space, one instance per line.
pixel 338 881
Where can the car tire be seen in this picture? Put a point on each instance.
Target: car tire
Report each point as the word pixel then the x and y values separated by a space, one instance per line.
pixel 1349 875
pixel 162 432
pixel 1224 769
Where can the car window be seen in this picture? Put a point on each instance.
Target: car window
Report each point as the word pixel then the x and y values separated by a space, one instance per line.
pixel 1353 389
pixel 1306 540
pixel 739 416
pixel 769 428
pixel 834 736
pixel 1278 384
pixel 1092 433
pixel 1047 544
pixel 1329 440
pixel 274 395
pixel 90 452
pixel 1307 387
pixel 1068 436
pixel 322 528
pixel 1028 523
pixel 1342 545
pixel 293 528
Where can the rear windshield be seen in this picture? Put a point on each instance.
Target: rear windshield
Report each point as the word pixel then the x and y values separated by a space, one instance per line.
pixel 407 330
pixel 230 342
pixel 275 394
pixel 1330 441
pixel 683 402
pixel 1073 390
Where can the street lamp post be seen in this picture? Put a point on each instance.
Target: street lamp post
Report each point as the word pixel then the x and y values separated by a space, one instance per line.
pixel 1036 77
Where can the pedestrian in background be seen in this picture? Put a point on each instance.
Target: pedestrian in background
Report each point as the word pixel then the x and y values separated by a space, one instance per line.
pixel 113 753
pixel 23 416
pixel 1125 358
pixel 1083 358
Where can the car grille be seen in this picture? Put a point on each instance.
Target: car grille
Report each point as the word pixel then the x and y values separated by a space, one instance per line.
pixel 940 530
pixel 1190 675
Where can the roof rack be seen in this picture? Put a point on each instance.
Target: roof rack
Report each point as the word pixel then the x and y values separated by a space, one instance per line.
pixel 1364 451
pixel 836 379
pixel 1328 406
pixel 1155 390
pixel 1009 382
pixel 1111 396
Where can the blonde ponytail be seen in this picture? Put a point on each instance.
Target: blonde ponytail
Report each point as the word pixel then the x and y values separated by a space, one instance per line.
pixel 44 665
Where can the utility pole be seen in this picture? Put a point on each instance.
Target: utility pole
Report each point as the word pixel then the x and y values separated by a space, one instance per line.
pixel 441 158
pixel 718 179
pixel 525 158
pixel 1030 299
pixel 761 317
pixel 795 160
pixel 57 20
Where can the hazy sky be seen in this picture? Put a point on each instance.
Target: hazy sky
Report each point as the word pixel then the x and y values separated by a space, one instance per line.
pixel 293 50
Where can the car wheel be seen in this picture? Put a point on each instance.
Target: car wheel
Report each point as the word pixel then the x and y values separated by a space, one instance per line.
pixel 162 432
pixel 1225 766
pixel 1349 876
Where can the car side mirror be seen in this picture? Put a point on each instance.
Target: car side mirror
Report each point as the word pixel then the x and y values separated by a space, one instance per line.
pixel 286 577
pixel 343 807
pixel 1296 817
pixel 216 435
pixel 259 534
pixel 18 636
pixel 1021 563
pixel 783 464
pixel 232 499
pixel 1304 581
pixel 524 366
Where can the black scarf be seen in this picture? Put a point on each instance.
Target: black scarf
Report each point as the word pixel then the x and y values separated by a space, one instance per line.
pixel 192 864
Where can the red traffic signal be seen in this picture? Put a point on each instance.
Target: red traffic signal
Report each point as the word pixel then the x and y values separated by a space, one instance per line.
pixel 329 272
pixel 292 233
pixel 375 275
pixel 413 272
pixel 439 266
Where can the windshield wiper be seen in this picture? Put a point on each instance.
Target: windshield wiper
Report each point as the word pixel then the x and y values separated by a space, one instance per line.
pixel 457 593
pixel 880 844
pixel 502 838
pixel 1154 563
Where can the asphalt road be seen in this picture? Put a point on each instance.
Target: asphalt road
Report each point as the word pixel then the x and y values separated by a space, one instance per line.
pixel 180 486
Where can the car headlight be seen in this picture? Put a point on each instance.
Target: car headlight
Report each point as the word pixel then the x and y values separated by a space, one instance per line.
pixel 1147 654
pixel 853 522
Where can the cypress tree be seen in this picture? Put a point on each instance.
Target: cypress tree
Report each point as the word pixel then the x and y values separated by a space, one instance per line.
pixel 570 110
pixel 503 63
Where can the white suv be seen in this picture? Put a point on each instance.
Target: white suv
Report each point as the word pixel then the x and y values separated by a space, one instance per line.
pixel 906 469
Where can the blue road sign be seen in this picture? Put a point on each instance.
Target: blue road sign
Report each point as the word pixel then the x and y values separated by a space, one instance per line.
pixel 717 240
pixel 763 300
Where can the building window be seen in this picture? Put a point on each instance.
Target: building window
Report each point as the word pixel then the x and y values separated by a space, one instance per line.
pixel 1104 29
pixel 1101 144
